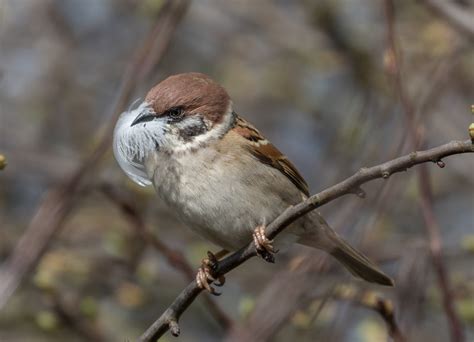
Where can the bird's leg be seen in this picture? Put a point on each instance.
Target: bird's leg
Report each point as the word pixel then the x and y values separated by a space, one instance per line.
pixel 263 245
pixel 205 275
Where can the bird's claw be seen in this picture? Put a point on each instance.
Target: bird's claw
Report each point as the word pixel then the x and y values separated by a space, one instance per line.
pixel 205 275
pixel 263 245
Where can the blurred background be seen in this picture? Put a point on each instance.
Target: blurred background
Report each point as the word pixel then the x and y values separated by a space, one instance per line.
pixel 319 78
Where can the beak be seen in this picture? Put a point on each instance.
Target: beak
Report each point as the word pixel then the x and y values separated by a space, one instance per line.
pixel 144 116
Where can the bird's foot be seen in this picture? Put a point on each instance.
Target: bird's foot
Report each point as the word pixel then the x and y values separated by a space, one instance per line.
pixel 263 245
pixel 206 274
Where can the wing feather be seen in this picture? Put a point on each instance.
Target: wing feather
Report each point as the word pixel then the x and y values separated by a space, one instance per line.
pixel 268 154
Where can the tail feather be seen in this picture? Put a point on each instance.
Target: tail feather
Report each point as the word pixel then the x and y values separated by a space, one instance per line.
pixel 359 265
pixel 320 235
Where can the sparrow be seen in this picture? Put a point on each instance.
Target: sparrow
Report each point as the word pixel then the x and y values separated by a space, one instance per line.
pixel 221 177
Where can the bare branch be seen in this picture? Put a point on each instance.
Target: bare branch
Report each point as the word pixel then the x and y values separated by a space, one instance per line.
pixel 171 316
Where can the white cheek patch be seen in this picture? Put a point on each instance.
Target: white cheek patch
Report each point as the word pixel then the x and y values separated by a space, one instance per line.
pixel 132 144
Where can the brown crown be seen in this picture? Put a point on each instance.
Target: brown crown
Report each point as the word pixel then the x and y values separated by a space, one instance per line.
pixel 194 92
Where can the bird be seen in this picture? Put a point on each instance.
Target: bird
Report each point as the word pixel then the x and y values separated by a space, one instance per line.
pixel 220 175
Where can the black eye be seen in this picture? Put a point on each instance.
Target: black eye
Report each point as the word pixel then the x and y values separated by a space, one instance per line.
pixel 175 113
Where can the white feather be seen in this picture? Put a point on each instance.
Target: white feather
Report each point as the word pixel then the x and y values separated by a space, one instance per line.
pixel 132 144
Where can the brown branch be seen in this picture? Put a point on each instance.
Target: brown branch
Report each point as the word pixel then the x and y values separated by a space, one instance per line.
pixel 459 18
pixel 169 319
pixel 424 185
pixel 58 203
pixel 175 258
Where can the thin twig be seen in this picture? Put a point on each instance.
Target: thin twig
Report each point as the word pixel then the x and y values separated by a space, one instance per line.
pixel 424 186
pixel 58 203
pixel 364 175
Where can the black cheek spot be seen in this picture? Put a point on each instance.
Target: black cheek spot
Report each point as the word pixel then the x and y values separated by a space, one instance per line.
pixel 187 133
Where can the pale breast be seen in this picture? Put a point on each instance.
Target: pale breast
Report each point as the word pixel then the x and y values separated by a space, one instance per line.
pixel 222 196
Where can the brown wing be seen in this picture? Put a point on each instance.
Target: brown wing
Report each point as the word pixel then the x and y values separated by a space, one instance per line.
pixel 268 154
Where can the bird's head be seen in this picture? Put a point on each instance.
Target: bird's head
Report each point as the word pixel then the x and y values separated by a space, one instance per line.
pixel 180 114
